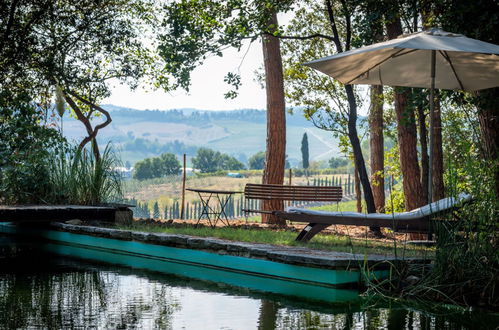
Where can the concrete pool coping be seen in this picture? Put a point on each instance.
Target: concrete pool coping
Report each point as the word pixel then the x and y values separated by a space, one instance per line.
pixel 301 256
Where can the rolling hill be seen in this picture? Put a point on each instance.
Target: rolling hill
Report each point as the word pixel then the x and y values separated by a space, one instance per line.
pixel 140 134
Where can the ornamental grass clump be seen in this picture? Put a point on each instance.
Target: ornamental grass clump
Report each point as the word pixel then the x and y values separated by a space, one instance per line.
pixel 79 178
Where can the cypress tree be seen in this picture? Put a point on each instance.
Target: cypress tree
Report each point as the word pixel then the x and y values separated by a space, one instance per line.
pixel 155 212
pixel 304 151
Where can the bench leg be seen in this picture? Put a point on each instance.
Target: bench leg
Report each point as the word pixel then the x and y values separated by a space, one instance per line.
pixel 310 230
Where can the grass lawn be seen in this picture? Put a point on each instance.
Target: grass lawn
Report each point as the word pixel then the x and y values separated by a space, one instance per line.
pixel 348 206
pixel 285 237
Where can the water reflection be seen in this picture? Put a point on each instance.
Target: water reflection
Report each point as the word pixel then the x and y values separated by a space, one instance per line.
pixel 38 290
pixel 59 294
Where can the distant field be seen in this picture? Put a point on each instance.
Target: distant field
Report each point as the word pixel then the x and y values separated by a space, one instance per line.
pixel 169 189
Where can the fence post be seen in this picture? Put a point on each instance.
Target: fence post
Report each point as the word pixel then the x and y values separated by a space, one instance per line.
pixel 349 188
pixel 290 176
pixel 183 190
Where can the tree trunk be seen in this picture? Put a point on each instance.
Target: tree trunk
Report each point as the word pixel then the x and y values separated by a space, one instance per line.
pixel 358 192
pixel 407 138
pixel 268 315
pixel 437 166
pixel 424 153
pixel 357 154
pixel 357 151
pixel 437 161
pixel 488 116
pixel 377 147
pixel 276 121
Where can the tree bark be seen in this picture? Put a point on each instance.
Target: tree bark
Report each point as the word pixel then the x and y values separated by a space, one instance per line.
pixel 437 166
pixel 92 132
pixel 276 121
pixel 437 161
pixel 407 137
pixel 352 108
pixel 488 116
pixel 377 147
pixel 357 151
pixel 358 192
pixel 423 142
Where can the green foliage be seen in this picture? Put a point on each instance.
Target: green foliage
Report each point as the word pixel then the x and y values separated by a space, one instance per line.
pixel 26 139
pixel 74 51
pixel 324 98
pixel 208 160
pixel 195 30
pixel 157 167
pixel 337 162
pixel 257 161
pixel 395 202
pixel 304 151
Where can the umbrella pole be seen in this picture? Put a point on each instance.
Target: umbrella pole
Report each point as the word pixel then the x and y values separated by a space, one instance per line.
pixel 432 109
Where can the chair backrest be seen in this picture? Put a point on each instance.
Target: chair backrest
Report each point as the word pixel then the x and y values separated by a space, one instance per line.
pixel 293 193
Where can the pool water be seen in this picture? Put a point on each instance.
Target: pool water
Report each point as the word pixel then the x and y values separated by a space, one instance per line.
pixel 45 290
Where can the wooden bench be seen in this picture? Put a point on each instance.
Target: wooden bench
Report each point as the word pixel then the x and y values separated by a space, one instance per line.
pixel 290 193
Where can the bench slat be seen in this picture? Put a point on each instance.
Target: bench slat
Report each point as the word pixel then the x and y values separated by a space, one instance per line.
pixel 293 193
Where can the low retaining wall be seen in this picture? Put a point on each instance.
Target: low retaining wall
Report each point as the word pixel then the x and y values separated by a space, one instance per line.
pixel 290 255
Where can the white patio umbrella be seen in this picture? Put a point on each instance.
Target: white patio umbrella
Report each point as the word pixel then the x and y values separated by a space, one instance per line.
pixel 428 59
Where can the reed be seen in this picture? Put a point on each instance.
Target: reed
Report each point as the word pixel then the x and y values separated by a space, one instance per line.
pixel 464 269
pixel 78 178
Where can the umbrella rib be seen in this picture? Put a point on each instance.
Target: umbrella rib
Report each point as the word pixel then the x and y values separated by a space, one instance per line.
pixel 377 64
pixel 447 58
pixel 408 52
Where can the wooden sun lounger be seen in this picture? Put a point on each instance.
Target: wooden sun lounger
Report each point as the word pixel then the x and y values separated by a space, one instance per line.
pixel 417 220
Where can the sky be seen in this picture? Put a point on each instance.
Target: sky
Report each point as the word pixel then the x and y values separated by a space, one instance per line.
pixel 208 86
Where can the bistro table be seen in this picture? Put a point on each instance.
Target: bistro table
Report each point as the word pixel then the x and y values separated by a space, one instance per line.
pixel 222 197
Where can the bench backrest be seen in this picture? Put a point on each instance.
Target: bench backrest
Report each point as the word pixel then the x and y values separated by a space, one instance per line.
pixel 293 193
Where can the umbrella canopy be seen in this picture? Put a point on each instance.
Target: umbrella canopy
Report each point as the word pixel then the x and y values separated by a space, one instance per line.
pixel 460 62
pixel 428 59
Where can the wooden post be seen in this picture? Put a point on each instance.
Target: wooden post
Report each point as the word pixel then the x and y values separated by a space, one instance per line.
pixel 290 176
pixel 183 190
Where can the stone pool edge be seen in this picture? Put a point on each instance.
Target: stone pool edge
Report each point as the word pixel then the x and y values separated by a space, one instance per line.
pixel 299 256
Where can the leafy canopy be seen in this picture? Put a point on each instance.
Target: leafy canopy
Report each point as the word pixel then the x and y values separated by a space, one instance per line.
pixel 208 160
pixel 157 167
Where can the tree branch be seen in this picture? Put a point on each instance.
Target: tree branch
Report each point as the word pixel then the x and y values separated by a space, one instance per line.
pixel 81 117
pixel 10 22
pixel 311 36
pixel 95 107
pixel 348 25
pixel 336 38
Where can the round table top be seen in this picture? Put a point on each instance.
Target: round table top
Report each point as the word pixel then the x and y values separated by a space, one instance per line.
pixel 214 191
